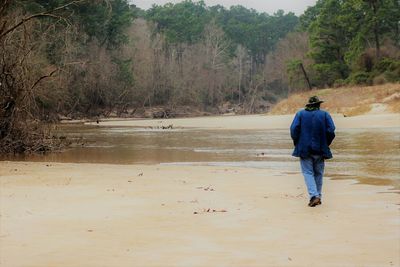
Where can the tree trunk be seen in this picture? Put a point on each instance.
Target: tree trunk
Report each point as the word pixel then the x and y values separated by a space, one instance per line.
pixel 376 30
pixel 306 76
pixel 240 78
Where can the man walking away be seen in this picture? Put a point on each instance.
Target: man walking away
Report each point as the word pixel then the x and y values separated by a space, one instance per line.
pixel 313 131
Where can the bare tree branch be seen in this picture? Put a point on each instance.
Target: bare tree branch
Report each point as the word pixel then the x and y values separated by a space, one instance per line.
pixel 43 77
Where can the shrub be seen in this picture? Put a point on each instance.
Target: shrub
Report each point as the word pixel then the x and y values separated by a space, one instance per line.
pixel 390 68
pixel 327 74
pixel 384 64
pixel 387 64
pixel 393 76
pixel 360 77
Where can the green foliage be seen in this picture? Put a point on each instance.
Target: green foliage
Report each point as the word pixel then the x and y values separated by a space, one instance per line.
pixel 239 23
pixel 390 69
pixel 258 32
pixel 310 15
pixel 104 20
pixel 387 64
pixel 37 6
pixel 326 74
pixel 328 36
pixel 181 23
pixel 370 21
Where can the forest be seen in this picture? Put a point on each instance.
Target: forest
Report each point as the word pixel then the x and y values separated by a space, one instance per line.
pixel 64 59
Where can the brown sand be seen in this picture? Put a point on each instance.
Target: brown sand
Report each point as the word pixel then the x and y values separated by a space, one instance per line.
pixel 88 215
pixel 109 215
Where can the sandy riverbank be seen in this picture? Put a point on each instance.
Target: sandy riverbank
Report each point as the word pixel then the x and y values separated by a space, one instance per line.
pixel 81 215
pixel 260 122
pixel 91 215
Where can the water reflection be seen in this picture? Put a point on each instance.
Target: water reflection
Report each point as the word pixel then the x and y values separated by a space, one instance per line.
pixel 371 156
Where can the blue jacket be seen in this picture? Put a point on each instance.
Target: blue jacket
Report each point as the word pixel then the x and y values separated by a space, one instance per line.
pixel 312 133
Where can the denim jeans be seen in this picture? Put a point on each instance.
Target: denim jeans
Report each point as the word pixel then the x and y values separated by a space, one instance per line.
pixel 313 171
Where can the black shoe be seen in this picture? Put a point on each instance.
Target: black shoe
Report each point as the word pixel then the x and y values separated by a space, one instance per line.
pixel 314 201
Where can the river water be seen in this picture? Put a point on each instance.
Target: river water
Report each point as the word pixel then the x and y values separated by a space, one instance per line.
pixel 368 155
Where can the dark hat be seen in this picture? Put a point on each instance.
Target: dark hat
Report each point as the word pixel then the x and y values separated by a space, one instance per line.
pixel 314 100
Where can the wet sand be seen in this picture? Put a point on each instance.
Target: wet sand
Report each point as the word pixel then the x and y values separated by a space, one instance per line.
pixel 109 215
pixel 90 215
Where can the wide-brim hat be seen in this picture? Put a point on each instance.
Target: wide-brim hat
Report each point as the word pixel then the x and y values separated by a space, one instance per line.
pixel 314 100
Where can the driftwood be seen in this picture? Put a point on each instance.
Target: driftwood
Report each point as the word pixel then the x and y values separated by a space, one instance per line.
pixel 169 127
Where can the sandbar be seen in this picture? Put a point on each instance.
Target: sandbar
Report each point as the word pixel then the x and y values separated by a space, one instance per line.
pixel 256 122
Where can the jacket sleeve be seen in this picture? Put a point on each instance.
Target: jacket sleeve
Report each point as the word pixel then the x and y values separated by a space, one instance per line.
pixel 330 129
pixel 295 128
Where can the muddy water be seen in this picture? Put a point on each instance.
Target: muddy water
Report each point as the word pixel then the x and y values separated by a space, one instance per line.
pixel 370 156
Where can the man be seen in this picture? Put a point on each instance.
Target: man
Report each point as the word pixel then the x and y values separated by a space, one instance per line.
pixel 313 131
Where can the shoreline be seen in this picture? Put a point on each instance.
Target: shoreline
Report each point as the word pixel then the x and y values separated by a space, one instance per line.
pixel 66 214
pixel 256 122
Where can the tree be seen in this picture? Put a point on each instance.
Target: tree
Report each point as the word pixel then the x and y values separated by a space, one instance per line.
pixel 329 42
pixel 341 32
pixel 41 40
pixel 107 21
pixel 258 32
pixel 180 23
pixel 21 74
pixel 217 47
